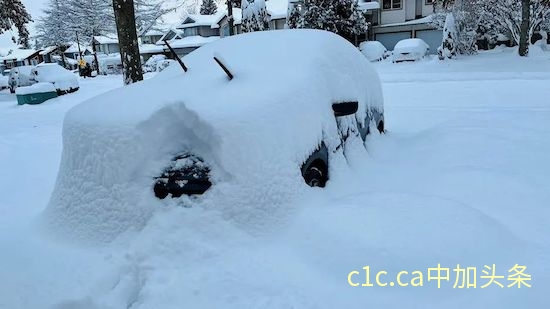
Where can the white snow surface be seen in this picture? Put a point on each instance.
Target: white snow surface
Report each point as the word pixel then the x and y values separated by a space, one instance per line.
pixel 35 88
pixel 255 141
pixel 461 176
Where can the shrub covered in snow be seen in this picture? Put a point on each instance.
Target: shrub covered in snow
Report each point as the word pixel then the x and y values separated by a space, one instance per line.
pixel 254 132
pixel 152 63
pixel 447 50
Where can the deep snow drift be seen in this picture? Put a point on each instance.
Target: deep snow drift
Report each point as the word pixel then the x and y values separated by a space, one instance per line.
pixel 255 131
pixel 460 177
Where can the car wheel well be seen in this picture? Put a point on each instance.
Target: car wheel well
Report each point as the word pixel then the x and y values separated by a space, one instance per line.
pixel 380 126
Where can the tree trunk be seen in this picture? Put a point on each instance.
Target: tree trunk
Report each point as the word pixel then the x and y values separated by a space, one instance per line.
pixel 128 40
pixel 230 19
pixel 524 31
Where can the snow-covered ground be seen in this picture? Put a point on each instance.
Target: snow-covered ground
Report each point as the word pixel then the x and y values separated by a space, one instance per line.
pixel 461 177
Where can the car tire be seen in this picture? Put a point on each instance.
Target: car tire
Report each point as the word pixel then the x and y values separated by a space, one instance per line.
pixel 316 175
pixel 380 126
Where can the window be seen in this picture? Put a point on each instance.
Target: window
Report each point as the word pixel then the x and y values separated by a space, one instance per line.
pixel 225 30
pixel 391 4
pixel 190 31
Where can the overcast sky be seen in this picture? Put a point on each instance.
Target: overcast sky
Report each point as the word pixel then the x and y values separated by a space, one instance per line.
pixel 34 7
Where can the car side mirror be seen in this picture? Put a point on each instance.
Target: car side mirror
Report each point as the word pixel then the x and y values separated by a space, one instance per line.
pixel 345 108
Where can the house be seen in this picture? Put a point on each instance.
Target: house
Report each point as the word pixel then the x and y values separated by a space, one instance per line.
pixel 277 11
pixel 106 44
pixel 48 53
pixel 74 50
pixel 395 20
pixel 151 37
pixel 21 57
pixel 193 32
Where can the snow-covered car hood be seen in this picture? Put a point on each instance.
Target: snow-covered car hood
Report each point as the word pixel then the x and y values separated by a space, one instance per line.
pixel 255 130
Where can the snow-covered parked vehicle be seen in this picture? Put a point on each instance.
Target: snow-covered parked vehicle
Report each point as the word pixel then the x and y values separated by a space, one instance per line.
pixel 20 77
pixel 410 50
pixel 63 80
pixel 245 130
pixel 4 82
pixel 374 51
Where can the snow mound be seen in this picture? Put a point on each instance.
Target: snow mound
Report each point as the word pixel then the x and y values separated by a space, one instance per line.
pixel 254 131
pixel 35 88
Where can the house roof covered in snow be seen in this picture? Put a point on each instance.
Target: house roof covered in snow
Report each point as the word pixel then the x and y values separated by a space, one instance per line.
pixel 19 54
pixel 48 50
pixel 195 20
pixel 192 41
pixel 106 39
pixel 150 48
pixel 74 48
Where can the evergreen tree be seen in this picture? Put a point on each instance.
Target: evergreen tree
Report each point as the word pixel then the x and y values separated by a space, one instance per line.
pixel 208 7
pixel 447 50
pixel 14 14
pixel 342 17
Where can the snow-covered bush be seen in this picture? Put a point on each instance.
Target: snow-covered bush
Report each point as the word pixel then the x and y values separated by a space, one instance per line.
pixel 342 17
pixel 208 7
pixel 152 63
pixel 254 16
pixel 447 50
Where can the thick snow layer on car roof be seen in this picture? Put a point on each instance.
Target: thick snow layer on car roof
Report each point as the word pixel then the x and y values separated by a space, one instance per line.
pixel 255 130
pixel 411 45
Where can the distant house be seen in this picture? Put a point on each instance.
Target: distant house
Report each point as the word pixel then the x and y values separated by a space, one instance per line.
pixel 395 20
pixel 74 50
pixel 106 44
pixel 192 33
pixel 21 57
pixel 48 53
pixel 151 36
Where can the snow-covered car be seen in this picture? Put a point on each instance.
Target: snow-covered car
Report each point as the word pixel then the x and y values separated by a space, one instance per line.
pixel 20 77
pixel 64 81
pixel 373 51
pixel 247 130
pixel 4 82
pixel 410 50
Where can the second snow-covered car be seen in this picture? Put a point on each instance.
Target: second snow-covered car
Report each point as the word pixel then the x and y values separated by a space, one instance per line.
pixel 410 50
pixel 20 77
pixel 245 131
pixel 63 80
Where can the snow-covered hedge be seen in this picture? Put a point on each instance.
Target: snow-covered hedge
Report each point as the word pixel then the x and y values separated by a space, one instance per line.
pixel 254 131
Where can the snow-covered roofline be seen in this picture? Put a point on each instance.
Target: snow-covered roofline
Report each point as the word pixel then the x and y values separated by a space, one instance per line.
pixel 193 41
pixel 196 20
pixel 19 54
pixel 372 5
pixel 106 39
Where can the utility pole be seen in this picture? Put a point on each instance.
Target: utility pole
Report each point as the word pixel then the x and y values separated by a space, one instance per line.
pixel 230 19
pixel 78 44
